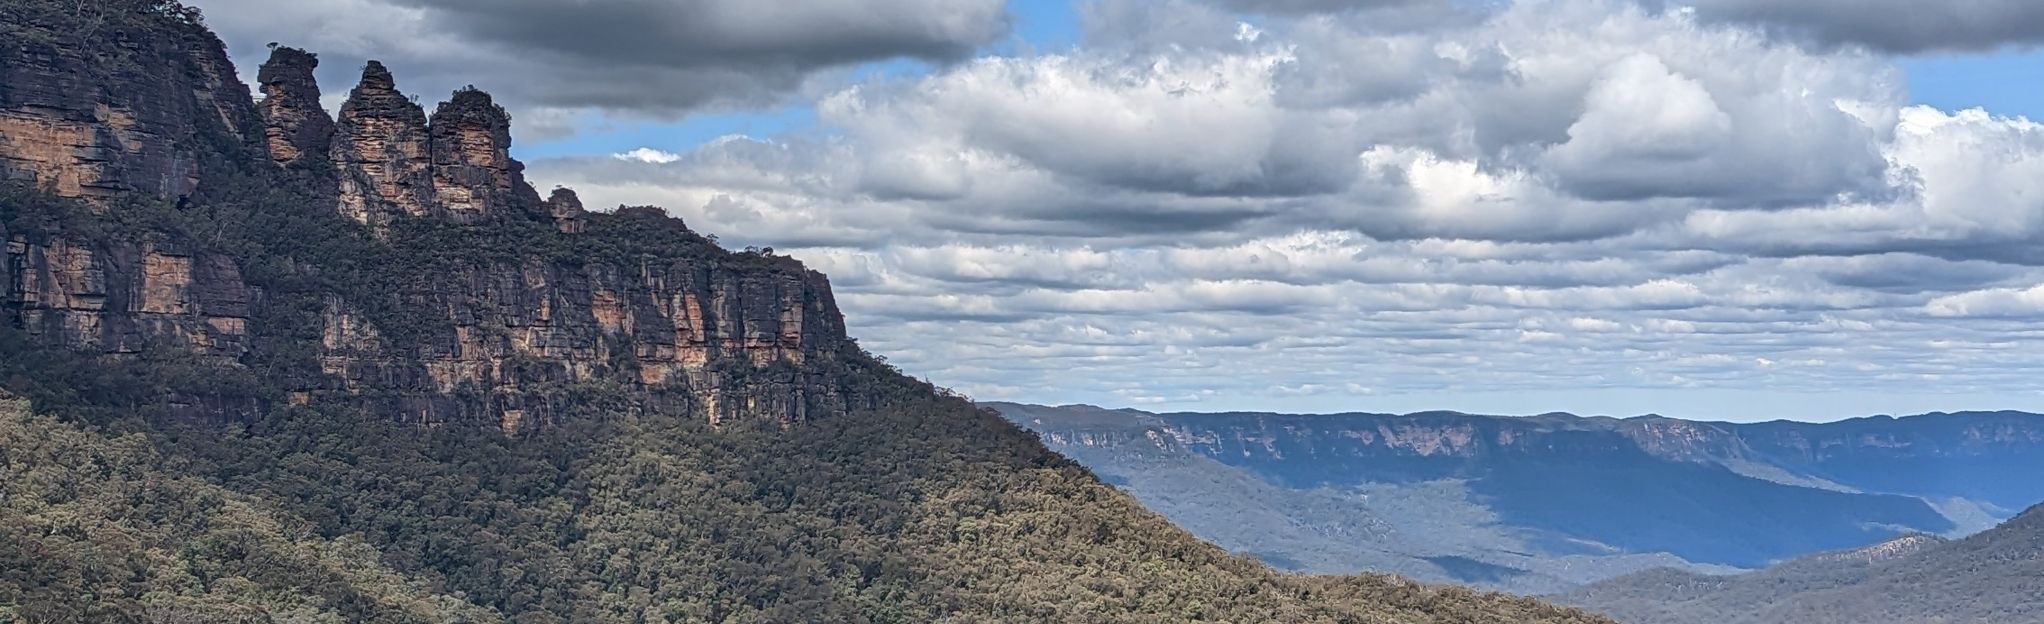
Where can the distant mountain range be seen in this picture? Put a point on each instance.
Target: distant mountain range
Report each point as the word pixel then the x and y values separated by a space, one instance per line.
pixel 1545 503
pixel 1996 576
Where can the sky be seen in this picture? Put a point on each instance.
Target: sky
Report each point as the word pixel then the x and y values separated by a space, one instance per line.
pixel 1719 209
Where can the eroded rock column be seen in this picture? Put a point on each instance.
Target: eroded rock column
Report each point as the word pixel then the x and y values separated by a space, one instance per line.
pixel 473 173
pixel 294 125
pixel 382 152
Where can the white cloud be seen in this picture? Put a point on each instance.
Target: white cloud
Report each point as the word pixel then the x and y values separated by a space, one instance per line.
pixel 1989 303
pixel 648 155
pixel 1579 194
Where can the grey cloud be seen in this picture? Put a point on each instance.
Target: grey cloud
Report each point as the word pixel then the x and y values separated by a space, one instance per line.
pixel 1321 6
pixel 639 57
pixel 1907 273
pixel 1375 15
pixel 1124 25
pixel 1900 26
pixel 691 33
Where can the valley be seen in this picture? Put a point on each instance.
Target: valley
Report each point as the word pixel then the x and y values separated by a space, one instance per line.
pixel 1545 503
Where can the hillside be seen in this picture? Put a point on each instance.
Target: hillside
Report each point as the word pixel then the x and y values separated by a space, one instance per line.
pixel 293 367
pixel 1540 504
pixel 1990 577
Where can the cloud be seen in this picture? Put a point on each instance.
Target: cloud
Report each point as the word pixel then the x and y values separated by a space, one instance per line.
pixel 1321 6
pixel 1228 206
pixel 648 155
pixel 1116 124
pixel 1900 26
pixel 1999 302
pixel 1973 190
pixel 629 57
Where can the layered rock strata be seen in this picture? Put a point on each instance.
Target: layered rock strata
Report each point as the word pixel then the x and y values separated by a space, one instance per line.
pixel 490 341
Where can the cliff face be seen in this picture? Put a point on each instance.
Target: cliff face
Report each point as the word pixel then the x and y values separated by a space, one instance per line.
pixel 123 298
pixel 488 338
pixel 97 121
pixel 728 341
pixel 95 114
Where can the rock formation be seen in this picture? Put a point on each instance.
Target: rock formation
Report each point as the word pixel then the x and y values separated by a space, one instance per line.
pixel 395 162
pixel 382 152
pixel 495 339
pixel 566 208
pixel 295 126
pixel 125 299
pixel 671 330
pixel 473 173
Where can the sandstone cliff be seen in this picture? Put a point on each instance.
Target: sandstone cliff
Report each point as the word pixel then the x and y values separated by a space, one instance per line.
pixel 91 111
pixel 125 298
pixel 433 286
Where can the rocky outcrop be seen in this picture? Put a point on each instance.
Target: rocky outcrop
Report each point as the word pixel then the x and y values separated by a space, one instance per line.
pixel 473 173
pixel 382 152
pixel 395 162
pixel 295 126
pixel 566 209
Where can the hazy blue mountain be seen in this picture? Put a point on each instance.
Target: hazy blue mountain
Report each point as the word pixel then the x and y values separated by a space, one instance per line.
pixel 1545 502
pixel 1996 577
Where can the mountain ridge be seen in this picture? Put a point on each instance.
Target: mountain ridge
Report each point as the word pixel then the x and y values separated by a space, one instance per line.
pixel 1554 486
pixel 1555 414
pixel 1988 577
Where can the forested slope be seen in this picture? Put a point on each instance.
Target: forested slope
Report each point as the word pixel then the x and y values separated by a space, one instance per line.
pixel 1995 577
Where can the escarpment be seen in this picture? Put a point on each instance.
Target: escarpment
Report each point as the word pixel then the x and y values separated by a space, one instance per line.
pixel 379 257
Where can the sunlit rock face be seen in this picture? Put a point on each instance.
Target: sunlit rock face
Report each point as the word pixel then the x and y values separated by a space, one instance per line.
pixel 125 299
pixel 382 152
